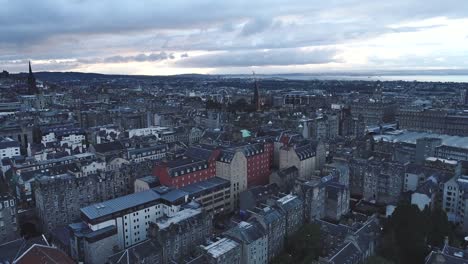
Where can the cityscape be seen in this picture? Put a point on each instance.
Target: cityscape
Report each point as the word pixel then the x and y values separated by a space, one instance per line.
pixel 234 133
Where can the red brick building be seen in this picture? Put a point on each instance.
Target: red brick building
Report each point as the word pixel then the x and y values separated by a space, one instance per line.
pixel 259 159
pixel 196 165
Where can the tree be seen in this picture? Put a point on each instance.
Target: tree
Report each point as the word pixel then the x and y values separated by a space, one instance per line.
pixel 408 232
pixel 378 260
pixel 440 228
pixel 302 247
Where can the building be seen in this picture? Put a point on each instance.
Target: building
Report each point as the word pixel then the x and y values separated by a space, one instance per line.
pixel 293 208
pixel 11 250
pixel 32 86
pixel 145 183
pixel 376 180
pixel 354 244
pixel 324 198
pixel 245 166
pixel 447 255
pixel 42 254
pixel 307 156
pixel 402 145
pixel 9 148
pixel 256 161
pixel 156 152
pixel 434 120
pixel 455 197
pixel 285 178
pixel 257 195
pixel 148 251
pixel 213 194
pixel 120 223
pixel 425 194
pixel 375 112
pixel 67 136
pixel 222 251
pixel 274 224
pixel 181 233
pixel 426 147
pixel 8 219
pixel 253 240
pixel 58 199
pixel 196 165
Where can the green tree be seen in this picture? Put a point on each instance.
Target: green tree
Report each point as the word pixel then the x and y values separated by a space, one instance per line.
pixel 440 228
pixel 302 247
pixel 409 232
pixel 378 260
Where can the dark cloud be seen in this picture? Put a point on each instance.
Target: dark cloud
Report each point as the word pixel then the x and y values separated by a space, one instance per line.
pixel 254 26
pixel 140 58
pixel 261 58
pixel 184 55
pixel 90 31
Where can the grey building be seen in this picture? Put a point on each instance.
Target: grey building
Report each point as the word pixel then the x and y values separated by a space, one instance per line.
pixel 253 240
pixel 274 223
pixel 381 181
pixel 59 198
pixel 354 244
pixel 324 198
pixel 434 120
pixel 180 234
pixel 148 251
pixel 8 219
pixel 222 251
pixel 293 208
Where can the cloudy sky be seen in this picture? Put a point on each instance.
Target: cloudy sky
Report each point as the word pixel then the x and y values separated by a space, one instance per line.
pixel 233 36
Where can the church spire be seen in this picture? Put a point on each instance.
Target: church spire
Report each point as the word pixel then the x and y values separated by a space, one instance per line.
pixel 256 97
pixel 32 87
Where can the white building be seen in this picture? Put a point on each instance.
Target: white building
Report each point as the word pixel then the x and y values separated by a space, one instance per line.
pixel 131 215
pixel 9 148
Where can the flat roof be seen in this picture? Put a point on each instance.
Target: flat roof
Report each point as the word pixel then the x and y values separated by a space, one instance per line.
pixel 119 204
pixel 412 136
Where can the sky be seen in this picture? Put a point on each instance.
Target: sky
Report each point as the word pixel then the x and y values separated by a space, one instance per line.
pixel 233 36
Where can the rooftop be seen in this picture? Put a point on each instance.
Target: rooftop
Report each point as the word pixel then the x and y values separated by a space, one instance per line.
pixel 180 216
pixel 119 204
pixel 220 247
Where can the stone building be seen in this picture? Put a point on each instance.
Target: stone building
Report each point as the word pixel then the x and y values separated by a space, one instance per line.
pixel 381 181
pixel 434 120
pixel 274 223
pixel 180 234
pixel 8 219
pixel 253 239
pixel 59 198
pixel 307 157
pixel 375 112
pixel 222 251
pixel 324 198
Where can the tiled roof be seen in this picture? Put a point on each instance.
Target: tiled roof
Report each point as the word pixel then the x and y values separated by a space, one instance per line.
pixel 12 250
pixel 246 232
pixel 40 254
pixel 182 166
pixel 108 147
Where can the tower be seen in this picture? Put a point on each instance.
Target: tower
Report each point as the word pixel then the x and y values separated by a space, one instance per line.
pixel 32 87
pixel 256 97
